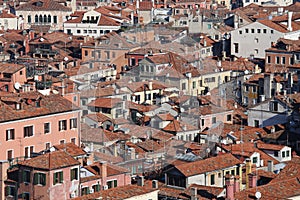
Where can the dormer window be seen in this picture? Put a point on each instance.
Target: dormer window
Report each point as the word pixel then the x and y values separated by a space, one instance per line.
pixel 39 3
pixel 18 106
pixel 38 103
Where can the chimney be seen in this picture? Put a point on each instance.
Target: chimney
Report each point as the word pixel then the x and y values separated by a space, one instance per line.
pixel 262 98
pixel 248 171
pixel 193 193
pixel 150 85
pixel 140 181
pixel 229 182
pixel 154 184
pixel 132 153
pixel 236 184
pixel 103 170
pixel 290 80
pixel 270 166
pixel 290 15
pixel 255 144
pixel 252 180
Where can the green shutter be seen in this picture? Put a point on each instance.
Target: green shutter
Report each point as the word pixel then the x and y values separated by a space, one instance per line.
pixel 36 178
pixel 61 177
pixel 54 178
pixel 43 179
pixel 7 189
pixel 115 183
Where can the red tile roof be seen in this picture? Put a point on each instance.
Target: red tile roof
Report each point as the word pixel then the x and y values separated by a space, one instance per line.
pixel 43 5
pixel 51 161
pixel 118 193
pixel 50 104
pixel 71 148
pixel 207 165
pixel 105 102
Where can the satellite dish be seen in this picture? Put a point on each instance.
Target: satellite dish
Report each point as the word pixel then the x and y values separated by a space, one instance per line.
pixel 257 195
pixel 17 85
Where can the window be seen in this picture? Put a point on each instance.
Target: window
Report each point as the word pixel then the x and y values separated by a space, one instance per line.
pixel 287 153
pixel 26 176
pixel 46 128
pixel 256 51
pixel 10 191
pixel 49 18
pixel 62 142
pixel 252 30
pixel 29 19
pixel 96 188
pixel 214 120
pixel 28 151
pixel 272 31
pixel 183 86
pixel 277 60
pixel 69 32
pixel 55 19
pixel 26 196
pixel 74 174
pixel 73 123
pixel 254 89
pixel 58 177
pixel 256 123
pixel 275 106
pixel 10 134
pixel 219 175
pixel 283 154
pixel 246 88
pixel 269 59
pixel 73 140
pixel 62 125
pixel 232 172
pixel 194 84
pixel 208 26
pixel 111 184
pixel 85 190
pixel 10 154
pixel 36 19
pixel 39 179
pixel 78 31
pixel 236 47
pixel 228 118
pixel 276 153
pixel 48 145
pixel 86 53
pixel 202 122
pixel 212 179
pixel 240 32
pixel 28 131
pixel 258 30
pixel 254 160
pixel 247 30
pixel 283 60
pixel 264 30
pixel 256 40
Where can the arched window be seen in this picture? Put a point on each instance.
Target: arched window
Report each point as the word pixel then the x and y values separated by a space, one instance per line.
pixel 45 18
pixel 41 19
pixel 36 19
pixel 29 18
pixel 49 18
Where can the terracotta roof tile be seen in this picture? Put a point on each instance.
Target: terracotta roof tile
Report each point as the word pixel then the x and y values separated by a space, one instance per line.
pixel 71 148
pixel 43 5
pixel 118 193
pixel 51 161
pixel 207 165
pixel 50 104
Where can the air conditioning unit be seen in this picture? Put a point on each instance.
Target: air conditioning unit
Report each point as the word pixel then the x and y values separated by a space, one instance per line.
pixel 92 190
pixel 105 187
pixel 72 195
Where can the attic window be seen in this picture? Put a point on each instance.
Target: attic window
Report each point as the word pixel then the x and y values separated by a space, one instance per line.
pixel 39 3
pixel 18 106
